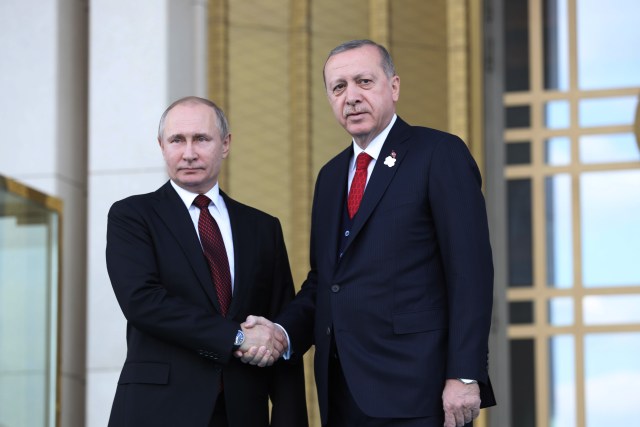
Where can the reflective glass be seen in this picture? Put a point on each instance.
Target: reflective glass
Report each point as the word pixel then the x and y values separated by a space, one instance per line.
pixel 556 45
pixel 28 307
pixel 520 234
pixel 608 39
pixel 518 116
pixel 516 45
pixel 561 311
pixel 520 312
pixel 610 213
pixel 611 309
pixel 557 114
pixel 607 111
pixel 518 153
pixel 562 396
pixel 523 395
pixel 612 375
pixel 609 148
pixel 559 231
pixel 557 151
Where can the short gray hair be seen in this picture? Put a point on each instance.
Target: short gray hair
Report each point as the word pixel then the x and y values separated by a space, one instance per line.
pixel 221 119
pixel 386 61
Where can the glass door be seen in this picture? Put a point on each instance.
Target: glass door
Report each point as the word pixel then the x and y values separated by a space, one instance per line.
pixel 572 150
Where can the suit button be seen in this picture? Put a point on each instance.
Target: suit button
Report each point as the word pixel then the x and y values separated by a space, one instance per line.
pixel 328 330
pixel 335 288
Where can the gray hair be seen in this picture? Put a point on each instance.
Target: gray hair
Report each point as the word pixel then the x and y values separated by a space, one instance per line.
pixel 221 119
pixel 386 61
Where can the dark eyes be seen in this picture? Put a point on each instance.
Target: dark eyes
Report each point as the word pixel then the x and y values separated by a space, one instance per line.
pixel 339 88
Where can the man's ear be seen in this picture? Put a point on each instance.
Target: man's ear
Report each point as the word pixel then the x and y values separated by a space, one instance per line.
pixel 226 146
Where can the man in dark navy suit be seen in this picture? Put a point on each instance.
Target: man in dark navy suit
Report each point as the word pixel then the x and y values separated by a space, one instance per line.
pixel 398 298
pixel 188 264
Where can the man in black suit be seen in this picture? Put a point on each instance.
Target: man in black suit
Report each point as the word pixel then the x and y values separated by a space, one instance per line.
pixel 173 280
pixel 398 299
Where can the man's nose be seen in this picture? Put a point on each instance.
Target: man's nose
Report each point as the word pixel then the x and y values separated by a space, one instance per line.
pixel 353 95
pixel 189 152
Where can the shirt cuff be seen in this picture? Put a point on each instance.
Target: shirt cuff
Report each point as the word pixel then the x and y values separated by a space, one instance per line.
pixel 287 354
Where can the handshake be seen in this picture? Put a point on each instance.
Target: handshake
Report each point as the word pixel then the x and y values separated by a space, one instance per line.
pixel 264 342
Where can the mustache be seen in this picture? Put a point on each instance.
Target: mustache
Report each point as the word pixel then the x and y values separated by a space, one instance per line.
pixel 353 109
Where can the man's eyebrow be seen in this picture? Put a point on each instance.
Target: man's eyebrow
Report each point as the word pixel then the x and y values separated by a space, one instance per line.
pixel 199 134
pixel 176 135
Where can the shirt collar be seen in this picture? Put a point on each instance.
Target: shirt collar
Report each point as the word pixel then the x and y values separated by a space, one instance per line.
pixel 375 146
pixel 188 197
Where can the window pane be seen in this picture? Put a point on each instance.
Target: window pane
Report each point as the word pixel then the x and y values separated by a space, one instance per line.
pixel 516 45
pixel 610 207
pixel 562 396
pixel 523 397
pixel 611 309
pixel 556 45
pixel 608 35
pixel 558 151
pixel 612 375
pixel 520 312
pixel 559 231
pixel 557 114
pixel 518 116
pixel 518 153
pixel 609 148
pixel 561 311
pixel 520 232
pixel 607 111
pixel 28 273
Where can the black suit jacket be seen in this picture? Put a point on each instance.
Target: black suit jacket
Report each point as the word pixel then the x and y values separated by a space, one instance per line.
pixel 178 345
pixel 409 299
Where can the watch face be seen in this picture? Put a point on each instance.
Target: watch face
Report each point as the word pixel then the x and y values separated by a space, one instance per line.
pixel 239 338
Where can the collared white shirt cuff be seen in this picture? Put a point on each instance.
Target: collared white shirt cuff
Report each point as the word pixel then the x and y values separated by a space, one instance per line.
pixel 287 354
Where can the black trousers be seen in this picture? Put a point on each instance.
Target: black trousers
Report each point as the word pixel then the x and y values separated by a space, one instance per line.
pixel 345 412
pixel 219 417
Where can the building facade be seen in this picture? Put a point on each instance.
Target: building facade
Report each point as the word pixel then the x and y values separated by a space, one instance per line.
pixel 544 92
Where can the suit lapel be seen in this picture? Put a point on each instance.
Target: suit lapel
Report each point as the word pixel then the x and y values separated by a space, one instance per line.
pixel 171 210
pixel 242 263
pixel 381 175
pixel 332 205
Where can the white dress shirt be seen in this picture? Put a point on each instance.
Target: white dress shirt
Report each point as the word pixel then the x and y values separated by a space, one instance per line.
pixel 373 149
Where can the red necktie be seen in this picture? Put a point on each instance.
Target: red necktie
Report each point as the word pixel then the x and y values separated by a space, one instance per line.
pixel 358 183
pixel 214 252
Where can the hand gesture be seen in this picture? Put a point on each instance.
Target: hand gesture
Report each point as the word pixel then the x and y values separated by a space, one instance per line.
pixel 461 403
pixel 264 342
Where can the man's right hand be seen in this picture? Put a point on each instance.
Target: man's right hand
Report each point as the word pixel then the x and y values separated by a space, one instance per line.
pixel 264 342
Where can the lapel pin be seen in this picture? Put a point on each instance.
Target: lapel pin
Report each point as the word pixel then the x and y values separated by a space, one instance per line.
pixel 391 159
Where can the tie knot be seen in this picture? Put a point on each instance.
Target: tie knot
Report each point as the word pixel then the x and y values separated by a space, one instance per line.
pixel 202 201
pixel 362 162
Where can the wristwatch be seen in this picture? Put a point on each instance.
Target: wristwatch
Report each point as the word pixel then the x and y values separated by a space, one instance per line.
pixel 467 381
pixel 239 340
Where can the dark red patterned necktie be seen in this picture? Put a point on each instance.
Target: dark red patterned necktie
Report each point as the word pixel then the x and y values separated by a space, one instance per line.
pixel 214 252
pixel 358 183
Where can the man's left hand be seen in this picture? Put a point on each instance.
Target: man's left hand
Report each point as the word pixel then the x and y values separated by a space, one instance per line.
pixel 461 403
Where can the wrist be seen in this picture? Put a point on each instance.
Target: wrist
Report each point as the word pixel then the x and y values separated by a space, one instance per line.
pixel 239 340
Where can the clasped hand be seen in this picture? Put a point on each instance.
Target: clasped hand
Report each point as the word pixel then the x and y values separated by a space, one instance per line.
pixel 264 342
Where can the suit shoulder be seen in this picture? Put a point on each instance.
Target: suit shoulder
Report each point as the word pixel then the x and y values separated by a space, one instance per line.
pixel 337 160
pixel 434 135
pixel 134 200
pixel 248 212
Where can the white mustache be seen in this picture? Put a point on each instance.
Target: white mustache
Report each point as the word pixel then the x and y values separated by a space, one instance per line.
pixel 350 110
